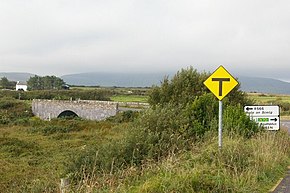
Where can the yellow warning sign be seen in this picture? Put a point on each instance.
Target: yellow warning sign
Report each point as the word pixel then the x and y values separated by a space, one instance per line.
pixel 221 82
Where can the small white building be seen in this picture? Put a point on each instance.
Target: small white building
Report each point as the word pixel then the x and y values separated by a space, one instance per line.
pixel 21 86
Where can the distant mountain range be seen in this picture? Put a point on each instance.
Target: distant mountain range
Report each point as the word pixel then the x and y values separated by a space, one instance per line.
pixel 264 85
pixel 114 79
pixel 248 84
pixel 16 76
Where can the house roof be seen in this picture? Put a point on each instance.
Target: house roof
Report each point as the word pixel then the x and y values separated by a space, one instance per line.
pixel 21 83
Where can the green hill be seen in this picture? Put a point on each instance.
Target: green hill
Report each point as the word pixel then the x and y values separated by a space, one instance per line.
pixel 264 85
pixel 248 84
pixel 16 76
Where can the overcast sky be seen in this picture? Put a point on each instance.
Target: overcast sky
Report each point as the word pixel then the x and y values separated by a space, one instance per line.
pixel 249 37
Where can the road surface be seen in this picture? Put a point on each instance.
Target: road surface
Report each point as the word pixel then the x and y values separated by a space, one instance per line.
pixel 286 124
pixel 284 186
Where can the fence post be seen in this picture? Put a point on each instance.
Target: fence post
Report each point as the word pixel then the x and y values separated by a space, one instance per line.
pixel 64 185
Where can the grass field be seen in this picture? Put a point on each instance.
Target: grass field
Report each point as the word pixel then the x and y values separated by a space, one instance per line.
pixel 268 99
pixel 283 101
pixel 130 98
pixel 33 157
pixel 122 94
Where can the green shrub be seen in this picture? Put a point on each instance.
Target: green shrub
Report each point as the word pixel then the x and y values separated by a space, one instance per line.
pixel 36 122
pixel 235 121
pixel 123 117
pixel 16 147
pixel 154 138
pixel 63 126
pixel 98 94
pixel 243 165
pixel 181 89
pixel 22 121
pixel 6 103
pixel 52 129
pixel 185 86
pixel 284 106
pixel 163 130
pixel 12 110
pixel 195 119
pixel 182 113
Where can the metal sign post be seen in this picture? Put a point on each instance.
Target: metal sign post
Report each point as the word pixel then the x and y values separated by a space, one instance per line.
pixel 220 123
pixel 220 83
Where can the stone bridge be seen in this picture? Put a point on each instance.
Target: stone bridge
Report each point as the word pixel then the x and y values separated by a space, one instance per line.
pixel 91 110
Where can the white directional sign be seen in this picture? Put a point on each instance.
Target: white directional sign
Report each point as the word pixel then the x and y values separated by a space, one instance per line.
pixel 267 116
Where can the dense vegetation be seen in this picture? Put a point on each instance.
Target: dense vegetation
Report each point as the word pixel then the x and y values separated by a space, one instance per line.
pixel 12 111
pixel 171 147
pixel 7 84
pixel 45 83
pixel 178 125
pixel 98 94
pixel 186 86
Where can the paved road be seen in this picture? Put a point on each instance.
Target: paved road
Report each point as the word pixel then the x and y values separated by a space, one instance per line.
pixel 286 124
pixel 284 186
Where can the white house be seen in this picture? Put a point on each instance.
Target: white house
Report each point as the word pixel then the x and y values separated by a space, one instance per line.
pixel 21 86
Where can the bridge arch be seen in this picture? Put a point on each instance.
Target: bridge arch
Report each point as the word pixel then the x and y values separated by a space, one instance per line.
pixel 67 113
pixel 91 110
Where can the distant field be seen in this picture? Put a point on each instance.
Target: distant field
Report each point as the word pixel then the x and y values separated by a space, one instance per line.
pixel 264 99
pixel 82 88
pixel 269 99
pixel 130 98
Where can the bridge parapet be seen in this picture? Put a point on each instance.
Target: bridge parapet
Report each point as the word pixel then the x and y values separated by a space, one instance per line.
pixel 87 109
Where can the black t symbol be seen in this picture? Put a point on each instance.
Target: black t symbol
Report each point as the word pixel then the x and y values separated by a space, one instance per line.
pixel 221 80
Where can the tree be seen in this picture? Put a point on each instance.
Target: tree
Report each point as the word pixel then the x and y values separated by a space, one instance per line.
pixel 45 83
pixel 186 86
pixel 184 106
pixel 34 83
pixel 57 83
pixel 4 82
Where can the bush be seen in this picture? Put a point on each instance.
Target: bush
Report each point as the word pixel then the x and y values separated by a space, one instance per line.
pixel 243 165
pixel 16 147
pixel 51 129
pixel 284 106
pixel 55 127
pixel 98 94
pixel 124 117
pixel 181 89
pixel 195 119
pixel 12 110
pixel 6 103
pixel 185 86
pixel 182 113
pixel 235 121
pixel 162 131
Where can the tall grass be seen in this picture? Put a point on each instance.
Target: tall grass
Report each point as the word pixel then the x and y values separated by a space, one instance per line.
pixel 243 165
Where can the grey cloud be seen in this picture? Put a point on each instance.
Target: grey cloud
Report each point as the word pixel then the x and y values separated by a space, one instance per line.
pixel 62 36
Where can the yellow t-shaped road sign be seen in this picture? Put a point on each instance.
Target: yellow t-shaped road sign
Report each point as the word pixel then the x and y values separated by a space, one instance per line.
pixel 221 82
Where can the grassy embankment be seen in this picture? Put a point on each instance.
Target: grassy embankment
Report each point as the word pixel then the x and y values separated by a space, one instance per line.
pixel 34 158
pixel 35 154
pixel 243 165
